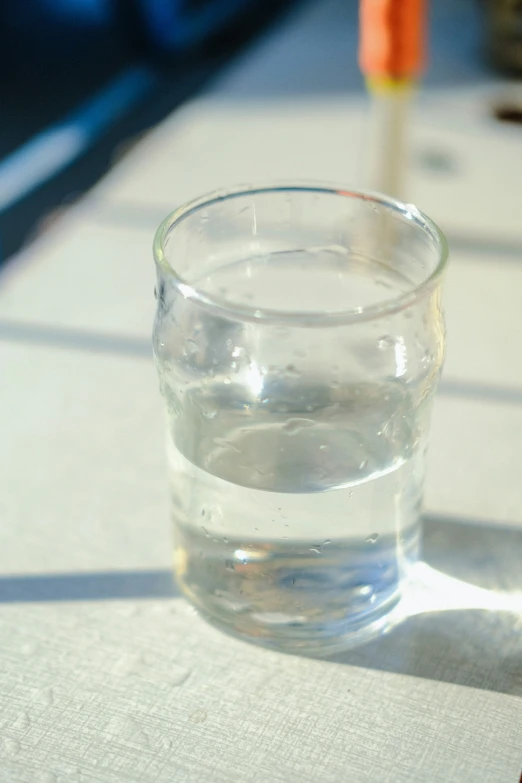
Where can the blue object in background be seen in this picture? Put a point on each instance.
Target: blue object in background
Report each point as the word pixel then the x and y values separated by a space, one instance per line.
pixel 51 40
pixel 97 11
pixel 45 33
pixel 176 25
pixel 77 77
pixel 56 147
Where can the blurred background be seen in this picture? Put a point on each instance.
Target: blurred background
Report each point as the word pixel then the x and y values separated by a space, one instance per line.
pixel 80 80
pixel 79 77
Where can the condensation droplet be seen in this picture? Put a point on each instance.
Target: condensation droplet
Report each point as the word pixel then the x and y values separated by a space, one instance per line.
pixel 140 737
pixel 45 696
pixel 198 716
pixel 11 746
pixel 227 444
pixel 363 464
pixel 166 743
pixel 76 776
pixel 126 665
pixel 292 372
pixel 372 539
pixel 326 542
pixel 316 549
pixel 385 342
pixel 295 425
pixel 180 677
pixel 28 649
pixel 204 529
pixel 22 722
pixel 128 729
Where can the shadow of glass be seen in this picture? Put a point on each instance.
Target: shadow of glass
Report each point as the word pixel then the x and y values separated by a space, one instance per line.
pixel 462 621
pixel 94 586
pixel 482 554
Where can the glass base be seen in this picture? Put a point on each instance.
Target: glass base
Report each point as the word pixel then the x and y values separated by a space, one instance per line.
pixel 282 633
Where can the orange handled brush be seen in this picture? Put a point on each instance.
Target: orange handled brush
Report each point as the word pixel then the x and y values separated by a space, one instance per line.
pixel 391 56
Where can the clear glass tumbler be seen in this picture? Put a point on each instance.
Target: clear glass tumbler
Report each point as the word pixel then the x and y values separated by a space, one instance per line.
pixel 299 339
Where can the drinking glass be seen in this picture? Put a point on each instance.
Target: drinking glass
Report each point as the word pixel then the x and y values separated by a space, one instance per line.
pixel 299 339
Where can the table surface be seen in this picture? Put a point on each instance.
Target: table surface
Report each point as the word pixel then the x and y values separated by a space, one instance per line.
pixel 106 675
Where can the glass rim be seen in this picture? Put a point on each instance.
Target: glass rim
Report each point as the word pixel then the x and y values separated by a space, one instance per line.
pixel 244 312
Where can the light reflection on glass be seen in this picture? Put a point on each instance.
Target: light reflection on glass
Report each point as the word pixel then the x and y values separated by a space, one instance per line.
pixel 400 357
pixel 255 379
